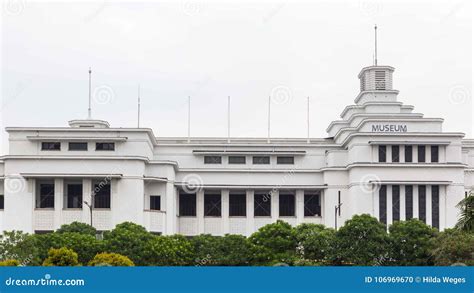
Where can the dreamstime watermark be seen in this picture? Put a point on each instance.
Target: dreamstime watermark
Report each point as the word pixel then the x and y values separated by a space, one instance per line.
pixel 193 183
pixel 204 261
pixel 96 12
pixel 13 7
pixel 370 8
pixel 15 184
pixel 44 281
pixel 281 95
pixel 103 94
pixel 192 7
pixel 273 11
pixel 459 94
pixel 369 183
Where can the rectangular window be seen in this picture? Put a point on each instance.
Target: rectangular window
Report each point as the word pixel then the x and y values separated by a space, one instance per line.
pixel 236 159
pixel 262 204
pixel 395 203
pixel 45 194
pixel 408 153
pixel 237 204
pixel 422 203
pixel 101 194
pixel 395 153
pixel 382 153
pixel 105 146
pixel 187 204
pixel 287 204
pixel 212 160
pixel 434 154
pixel 261 160
pixel 383 204
pixel 50 146
pixel 312 204
pixel 285 160
pixel 421 154
pixel 155 202
pixel 2 202
pixel 73 195
pixel 435 206
pixel 408 202
pixel 78 146
pixel 212 205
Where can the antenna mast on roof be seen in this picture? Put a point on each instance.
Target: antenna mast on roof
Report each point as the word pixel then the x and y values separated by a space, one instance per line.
pixel 89 114
pixel 375 54
pixel 138 106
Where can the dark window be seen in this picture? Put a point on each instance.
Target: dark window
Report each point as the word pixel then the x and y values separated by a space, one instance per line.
pixel 237 204
pixel 395 153
pixel 383 204
pixel 339 203
pixel 2 202
pixel 422 203
pixel 50 146
pixel 212 159
pixel 262 204
pixel 105 146
pixel 187 204
pixel 285 160
pixel 78 146
pixel 155 202
pixel 261 160
pixel 382 153
pixel 212 205
pixel 434 154
pixel 39 232
pixel 395 203
pixel 408 202
pixel 312 204
pixel 408 153
pixel 287 204
pixel 435 206
pixel 101 194
pixel 236 159
pixel 421 154
pixel 46 195
pixel 74 195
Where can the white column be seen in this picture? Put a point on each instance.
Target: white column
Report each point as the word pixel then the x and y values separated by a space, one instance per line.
pixel 299 201
pixel 389 153
pixel 428 155
pixel 200 210
pixel 275 204
pixel 86 196
pixel 415 154
pixel 225 210
pixel 389 205
pixel 402 153
pixel 416 215
pixel 376 201
pixel 402 203
pixel 250 212
pixel 171 218
pixel 58 202
pixel 428 205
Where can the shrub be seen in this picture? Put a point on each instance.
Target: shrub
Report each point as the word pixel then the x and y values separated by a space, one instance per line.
pixel 410 243
pixel 9 263
pixel 19 246
pixel 173 250
pixel 363 241
pixel 453 247
pixel 111 259
pixel 228 250
pixel 78 227
pixel 315 243
pixel 61 257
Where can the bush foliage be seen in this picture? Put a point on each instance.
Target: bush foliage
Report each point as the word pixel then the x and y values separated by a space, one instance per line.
pixel 111 259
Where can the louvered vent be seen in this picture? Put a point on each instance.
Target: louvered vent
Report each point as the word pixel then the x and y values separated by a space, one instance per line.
pixel 380 80
pixel 362 83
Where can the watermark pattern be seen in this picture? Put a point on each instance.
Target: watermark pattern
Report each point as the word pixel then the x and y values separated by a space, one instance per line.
pixel 267 17
pixel 193 183
pixel 15 184
pixel 96 12
pixel 370 183
pixel 192 7
pixel 459 94
pixel 14 7
pixel 47 280
pixel 103 94
pixel 370 8
pixel 281 95
pixel 202 262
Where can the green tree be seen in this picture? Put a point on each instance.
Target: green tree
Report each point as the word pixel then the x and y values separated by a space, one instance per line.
pixel 228 250
pixel 128 239
pixel 18 246
pixel 173 250
pixel 363 240
pixel 410 243
pixel 9 263
pixel 111 259
pixel 78 227
pixel 466 218
pixel 61 257
pixel 315 243
pixel 453 246
pixel 274 243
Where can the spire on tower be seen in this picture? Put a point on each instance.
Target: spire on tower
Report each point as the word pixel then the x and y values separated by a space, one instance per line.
pixel 89 111
pixel 375 53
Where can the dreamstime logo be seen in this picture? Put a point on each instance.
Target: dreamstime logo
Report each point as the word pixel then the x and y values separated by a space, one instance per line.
pixel 370 8
pixel 15 184
pixel 458 94
pixel 369 183
pixel 281 95
pixel 192 8
pixel 103 94
pixel 193 183
pixel 14 7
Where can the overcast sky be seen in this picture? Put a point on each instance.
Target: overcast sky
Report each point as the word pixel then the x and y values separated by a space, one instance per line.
pixel 210 50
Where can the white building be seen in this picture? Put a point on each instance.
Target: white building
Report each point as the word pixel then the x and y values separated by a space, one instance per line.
pixel 381 158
